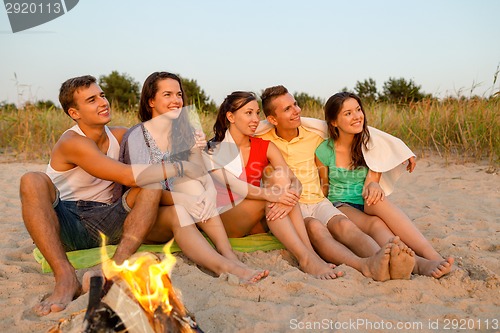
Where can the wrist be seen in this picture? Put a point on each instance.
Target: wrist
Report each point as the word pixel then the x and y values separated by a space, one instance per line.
pixel 270 193
pixel 179 168
pixel 164 169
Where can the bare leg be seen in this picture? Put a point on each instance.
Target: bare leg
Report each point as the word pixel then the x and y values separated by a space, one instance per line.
pixel 375 266
pixel 401 225
pixel 195 246
pixel 216 232
pixel 377 229
pixel 300 227
pixel 37 195
pixel 213 227
pixel 347 233
pixel 139 221
pixel 137 225
pixel 237 226
pixel 308 259
pixel 239 220
pixel 369 224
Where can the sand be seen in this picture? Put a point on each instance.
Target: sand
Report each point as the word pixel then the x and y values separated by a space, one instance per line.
pixel 455 206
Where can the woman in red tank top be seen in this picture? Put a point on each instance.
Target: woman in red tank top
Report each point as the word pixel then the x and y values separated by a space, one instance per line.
pixel 237 162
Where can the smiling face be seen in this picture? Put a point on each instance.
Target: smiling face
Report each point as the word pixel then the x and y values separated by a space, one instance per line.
pixel 167 100
pixel 286 112
pixel 245 119
pixel 91 106
pixel 350 118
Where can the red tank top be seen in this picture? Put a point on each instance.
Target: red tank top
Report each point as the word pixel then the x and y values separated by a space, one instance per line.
pixel 252 173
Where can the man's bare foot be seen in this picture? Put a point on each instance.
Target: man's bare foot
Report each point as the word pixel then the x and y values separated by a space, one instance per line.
pixel 377 266
pixel 314 265
pixel 66 289
pixel 434 268
pixel 86 279
pixel 402 260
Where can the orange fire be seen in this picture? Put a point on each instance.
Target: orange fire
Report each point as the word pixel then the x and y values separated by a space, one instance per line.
pixel 146 276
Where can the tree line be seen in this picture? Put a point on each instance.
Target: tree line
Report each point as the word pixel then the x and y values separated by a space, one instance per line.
pixel 123 92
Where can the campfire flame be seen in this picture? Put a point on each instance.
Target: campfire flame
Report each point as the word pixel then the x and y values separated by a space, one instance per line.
pixel 146 276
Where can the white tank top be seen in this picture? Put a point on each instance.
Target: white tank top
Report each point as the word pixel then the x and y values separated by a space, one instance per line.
pixel 76 184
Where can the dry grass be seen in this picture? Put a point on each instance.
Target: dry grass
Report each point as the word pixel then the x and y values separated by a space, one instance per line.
pixel 466 128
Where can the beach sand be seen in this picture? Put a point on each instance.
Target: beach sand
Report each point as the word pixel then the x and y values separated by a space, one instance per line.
pixel 457 207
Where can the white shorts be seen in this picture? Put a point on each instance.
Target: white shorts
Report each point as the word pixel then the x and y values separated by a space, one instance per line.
pixel 322 211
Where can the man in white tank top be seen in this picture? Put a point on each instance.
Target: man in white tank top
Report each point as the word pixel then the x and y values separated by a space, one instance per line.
pixel 65 208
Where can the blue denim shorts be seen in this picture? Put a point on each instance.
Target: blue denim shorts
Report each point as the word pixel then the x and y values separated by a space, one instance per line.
pixel 81 222
pixel 359 207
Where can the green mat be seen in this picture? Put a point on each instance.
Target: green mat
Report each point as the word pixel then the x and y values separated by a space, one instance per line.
pixel 91 257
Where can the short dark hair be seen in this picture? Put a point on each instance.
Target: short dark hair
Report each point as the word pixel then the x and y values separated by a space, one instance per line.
pixel 68 88
pixel 269 95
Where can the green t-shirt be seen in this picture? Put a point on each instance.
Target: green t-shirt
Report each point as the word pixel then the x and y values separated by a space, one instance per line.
pixel 345 185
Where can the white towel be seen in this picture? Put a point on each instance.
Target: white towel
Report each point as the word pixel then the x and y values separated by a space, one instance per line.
pixel 226 155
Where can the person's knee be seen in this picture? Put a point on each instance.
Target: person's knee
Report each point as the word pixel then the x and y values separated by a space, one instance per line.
pixel 277 178
pixel 341 226
pixel 374 223
pixel 189 186
pixel 33 180
pixel 314 227
pixel 35 183
pixel 144 196
pixel 151 195
pixel 178 217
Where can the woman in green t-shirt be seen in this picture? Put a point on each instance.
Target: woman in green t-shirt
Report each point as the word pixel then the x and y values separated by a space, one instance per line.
pixel 354 188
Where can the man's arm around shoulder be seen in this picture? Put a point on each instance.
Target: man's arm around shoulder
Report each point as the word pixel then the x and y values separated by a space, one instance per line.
pixel 74 150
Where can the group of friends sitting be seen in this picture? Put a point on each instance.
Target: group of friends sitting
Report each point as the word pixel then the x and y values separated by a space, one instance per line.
pixel 319 186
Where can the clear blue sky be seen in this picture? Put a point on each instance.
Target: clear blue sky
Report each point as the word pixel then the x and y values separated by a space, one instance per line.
pixel 316 47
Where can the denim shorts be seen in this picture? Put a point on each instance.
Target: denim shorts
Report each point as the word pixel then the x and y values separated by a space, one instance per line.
pixel 81 222
pixel 357 206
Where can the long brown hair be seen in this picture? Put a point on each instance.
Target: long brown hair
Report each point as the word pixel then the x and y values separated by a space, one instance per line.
pixel 182 130
pixel 332 110
pixel 231 103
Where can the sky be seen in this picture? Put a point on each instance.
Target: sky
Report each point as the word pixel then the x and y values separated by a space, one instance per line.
pixel 448 47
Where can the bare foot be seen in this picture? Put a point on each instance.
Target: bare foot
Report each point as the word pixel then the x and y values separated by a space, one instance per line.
pixel 230 255
pixel 402 260
pixel 242 271
pixel 247 275
pixel 377 266
pixel 66 289
pixel 434 268
pixel 332 266
pixel 314 265
pixel 86 279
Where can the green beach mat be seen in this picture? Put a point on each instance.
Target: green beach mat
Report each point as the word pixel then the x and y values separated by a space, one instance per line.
pixel 91 257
